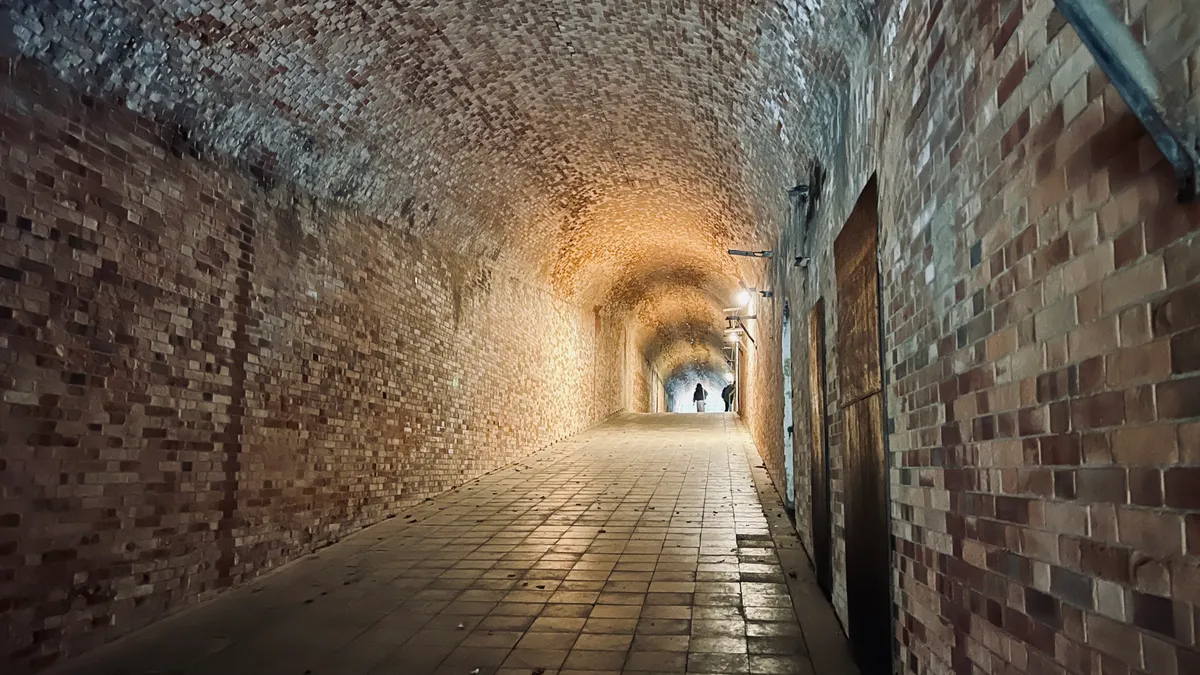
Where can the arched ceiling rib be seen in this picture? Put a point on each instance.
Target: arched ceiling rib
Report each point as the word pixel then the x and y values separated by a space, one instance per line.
pixel 614 149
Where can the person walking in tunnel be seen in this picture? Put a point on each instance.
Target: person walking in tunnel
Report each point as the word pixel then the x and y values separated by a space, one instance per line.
pixel 727 396
pixel 699 397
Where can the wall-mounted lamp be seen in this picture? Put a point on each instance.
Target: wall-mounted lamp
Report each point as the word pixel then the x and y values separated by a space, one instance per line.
pixel 803 201
pixel 746 294
pixel 750 254
pixel 798 198
pixel 1123 59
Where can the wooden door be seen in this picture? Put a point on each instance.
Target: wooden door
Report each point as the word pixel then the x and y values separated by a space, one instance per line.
pixel 822 529
pixel 860 382
pixel 741 382
pixel 789 448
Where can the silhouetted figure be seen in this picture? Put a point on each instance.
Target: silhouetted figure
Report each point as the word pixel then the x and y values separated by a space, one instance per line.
pixel 699 397
pixel 727 396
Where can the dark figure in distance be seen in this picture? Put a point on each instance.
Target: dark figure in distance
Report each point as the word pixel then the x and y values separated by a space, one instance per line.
pixel 699 397
pixel 727 396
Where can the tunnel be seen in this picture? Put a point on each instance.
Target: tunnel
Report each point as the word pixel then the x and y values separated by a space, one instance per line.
pixel 365 336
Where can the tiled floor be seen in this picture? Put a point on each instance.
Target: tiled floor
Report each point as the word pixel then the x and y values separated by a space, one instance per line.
pixel 638 547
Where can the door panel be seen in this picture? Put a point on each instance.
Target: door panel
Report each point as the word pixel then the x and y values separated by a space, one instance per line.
pixel 819 451
pixel 868 555
pixel 854 255
pixel 789 453
pixel 741 383
pixel 860 379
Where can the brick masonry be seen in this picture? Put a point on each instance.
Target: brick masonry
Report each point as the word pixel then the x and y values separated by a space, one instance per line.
pixel 203 378
pixel 230 283
pixel 1039 366
pixel 615 152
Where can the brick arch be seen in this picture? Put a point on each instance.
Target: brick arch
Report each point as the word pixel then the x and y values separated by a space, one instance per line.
pixel 553 137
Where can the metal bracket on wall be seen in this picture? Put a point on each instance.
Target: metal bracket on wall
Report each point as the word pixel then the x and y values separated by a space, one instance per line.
pixel 750 254
pixel 747 333
pixel 740 326
pixel 1124 61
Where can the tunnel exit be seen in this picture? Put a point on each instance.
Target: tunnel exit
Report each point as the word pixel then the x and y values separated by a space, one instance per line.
pixel 697 390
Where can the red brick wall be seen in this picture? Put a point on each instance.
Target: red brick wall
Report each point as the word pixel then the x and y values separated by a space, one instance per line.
pixel 1040 286
pixel 202 378
pixel 1043 454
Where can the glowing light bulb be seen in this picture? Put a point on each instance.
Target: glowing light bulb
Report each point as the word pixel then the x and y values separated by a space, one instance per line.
pixel 742 298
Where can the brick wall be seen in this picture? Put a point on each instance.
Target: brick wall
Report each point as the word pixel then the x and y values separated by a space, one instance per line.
pixel 764 409
pixel 1039 294
pixel 1037 454
pixel 202 378
pixel 640 373
pixel 1038 303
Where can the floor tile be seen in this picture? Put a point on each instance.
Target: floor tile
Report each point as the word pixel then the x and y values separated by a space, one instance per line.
pixel 640 546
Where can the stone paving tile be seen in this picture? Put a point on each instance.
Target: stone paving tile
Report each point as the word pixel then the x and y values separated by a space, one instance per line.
pixel 640 546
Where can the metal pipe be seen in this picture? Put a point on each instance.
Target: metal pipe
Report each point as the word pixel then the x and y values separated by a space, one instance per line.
pixel 1124 61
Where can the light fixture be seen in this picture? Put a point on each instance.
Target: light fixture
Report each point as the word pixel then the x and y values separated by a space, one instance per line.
pixel 799 197
pixel 750 254
pixel 729 378
pixel 744 296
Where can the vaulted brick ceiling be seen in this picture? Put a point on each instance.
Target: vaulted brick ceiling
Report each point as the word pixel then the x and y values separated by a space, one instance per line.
pixel 614 149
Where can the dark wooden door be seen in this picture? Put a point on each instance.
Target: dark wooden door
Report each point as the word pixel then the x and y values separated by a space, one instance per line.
pixel 819 452
pixel 741 383
pixel 789 446
pixel 860 382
